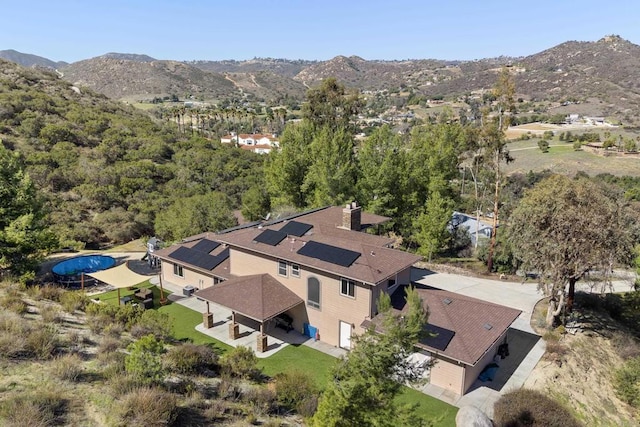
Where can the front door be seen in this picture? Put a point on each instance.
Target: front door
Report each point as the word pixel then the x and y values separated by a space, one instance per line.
pixel 345 335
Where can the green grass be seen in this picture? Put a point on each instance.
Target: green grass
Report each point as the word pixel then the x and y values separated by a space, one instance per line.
pixel 302 358
pixel 111 297
pixel 440 413
pixel 315 363
pixel 184 322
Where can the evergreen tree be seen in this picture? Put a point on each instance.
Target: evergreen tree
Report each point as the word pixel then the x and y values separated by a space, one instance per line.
pixel 24 237
pixel 368 379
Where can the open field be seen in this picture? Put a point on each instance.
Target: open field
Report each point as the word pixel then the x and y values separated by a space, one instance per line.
pixel 562 159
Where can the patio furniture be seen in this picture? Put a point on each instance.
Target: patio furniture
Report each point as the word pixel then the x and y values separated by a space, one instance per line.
pixel 284 321
pixel 144 294
pixel 147 303
pixel 126 300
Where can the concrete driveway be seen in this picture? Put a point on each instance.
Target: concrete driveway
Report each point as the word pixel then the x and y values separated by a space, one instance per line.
pixel 525 346
pixel 521 296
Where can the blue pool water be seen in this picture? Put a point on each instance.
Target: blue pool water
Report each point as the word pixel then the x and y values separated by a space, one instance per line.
pixel 83 264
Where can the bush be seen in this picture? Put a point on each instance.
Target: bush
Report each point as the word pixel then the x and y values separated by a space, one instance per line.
pixel 51 292
pixel 14 303
pixel 261 399
pixel 240 362
pixel 72 301
pixel 531 408
pixel 293 387
pixel 152 322
pixel 626 381
pixel 39 409
pixel 108 345
pixel 50 313
pixel 42 341
pixel 190 358
pixel 143 360
pixel 148 407
pixel 68 367
pixel 626 345
pixel 122 384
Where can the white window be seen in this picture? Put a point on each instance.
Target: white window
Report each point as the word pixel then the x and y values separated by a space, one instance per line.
pixel 347 287
pixel 177 270
pixel 313 292
pixel 282 268
pixel 295 270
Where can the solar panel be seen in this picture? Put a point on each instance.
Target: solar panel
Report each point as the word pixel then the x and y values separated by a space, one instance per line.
pixel 328 253
pixel 295 228
pixel 198 258
pixel 271 237
pixel 205 245
pixel 438 338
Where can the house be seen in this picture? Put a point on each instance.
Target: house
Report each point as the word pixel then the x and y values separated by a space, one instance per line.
pixel 477 229
pixel 318 269
pixel 256 142
pixel 464 335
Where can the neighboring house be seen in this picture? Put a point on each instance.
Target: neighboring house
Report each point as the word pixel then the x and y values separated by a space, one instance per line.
pixel 464 335
pixel 477 229
pixel 318 268
pixel 258 143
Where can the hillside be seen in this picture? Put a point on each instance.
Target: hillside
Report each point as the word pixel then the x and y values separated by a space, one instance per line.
pixel 284 67
pixel 124 78
pixel 29 60
pixel 105 168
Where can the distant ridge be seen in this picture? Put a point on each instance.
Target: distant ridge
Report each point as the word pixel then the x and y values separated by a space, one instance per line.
pixel 129 57
pixel 29 60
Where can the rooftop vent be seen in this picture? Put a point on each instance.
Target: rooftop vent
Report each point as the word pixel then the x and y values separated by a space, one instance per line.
pixel 488 326
pixel 447 301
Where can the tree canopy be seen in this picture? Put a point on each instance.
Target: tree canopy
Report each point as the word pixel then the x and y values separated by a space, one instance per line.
pixel 366 381
pixel 563 228
pixel 24 236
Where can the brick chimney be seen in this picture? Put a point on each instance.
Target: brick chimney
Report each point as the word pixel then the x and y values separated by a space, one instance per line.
pixel 352 217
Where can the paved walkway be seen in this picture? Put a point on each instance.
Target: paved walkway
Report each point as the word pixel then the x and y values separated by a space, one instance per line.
pixel 277 338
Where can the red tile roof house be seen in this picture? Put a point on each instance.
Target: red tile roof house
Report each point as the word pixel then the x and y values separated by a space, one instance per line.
pixel 325 274
pixel 257 142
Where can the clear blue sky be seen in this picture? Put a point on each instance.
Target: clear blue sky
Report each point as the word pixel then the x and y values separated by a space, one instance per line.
pixel 71 30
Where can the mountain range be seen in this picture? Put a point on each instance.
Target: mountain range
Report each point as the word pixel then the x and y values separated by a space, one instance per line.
pixel 604 74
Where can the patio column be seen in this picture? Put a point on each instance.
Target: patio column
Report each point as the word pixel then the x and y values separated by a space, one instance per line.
pixel 261 343
pixel 207 318
pixel 234 328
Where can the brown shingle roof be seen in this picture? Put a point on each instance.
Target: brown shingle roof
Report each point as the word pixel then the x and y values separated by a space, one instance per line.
pixel 460 323
pixel 259 297
pixel 467 317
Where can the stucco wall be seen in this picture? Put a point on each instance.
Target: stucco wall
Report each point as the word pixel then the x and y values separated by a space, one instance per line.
pixel 334 307
pixel 448 375
pixel 474 371
pixel 190 277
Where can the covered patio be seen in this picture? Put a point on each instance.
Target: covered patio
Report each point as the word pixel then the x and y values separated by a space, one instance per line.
pixel 257 302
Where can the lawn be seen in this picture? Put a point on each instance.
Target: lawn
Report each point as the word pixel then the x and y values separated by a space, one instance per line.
pixel 111 297
pixel 292 357
pixel 301 358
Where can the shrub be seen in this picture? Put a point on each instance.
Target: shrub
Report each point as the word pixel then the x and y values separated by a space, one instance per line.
pixel 13 303
pixel 293 387
pixel 68 367
pixel 216 410
pixel 122 384
pixel 50 313
pixel 261 399
pixel 626 345
pixel 39 409
pixel 626 381
pixel 42 341
pixel 143 360
pixel 240 362
pixel 108 345
pixel 190 358
pixel 148 407
pixel 152 322
pixel 51 292
pixel 531 408
pixel 72 301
